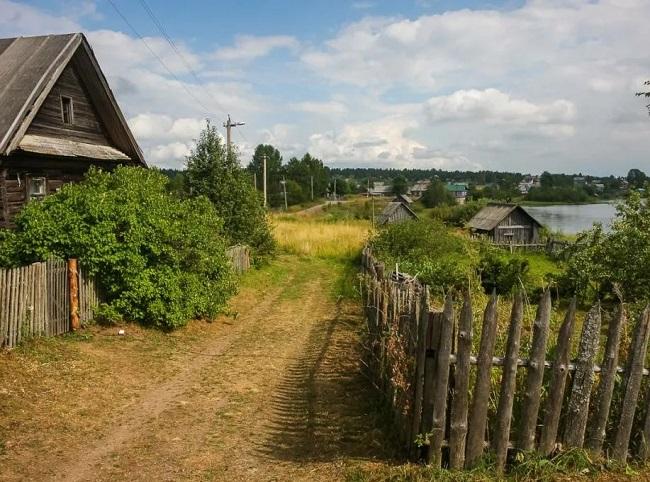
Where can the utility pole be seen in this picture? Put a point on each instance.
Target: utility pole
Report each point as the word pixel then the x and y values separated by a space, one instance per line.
pixel 264 177
pixel 312 188
pixel 228 125
pixel 255 180
pixel 335 189
pixel 368 189
pixel 284 187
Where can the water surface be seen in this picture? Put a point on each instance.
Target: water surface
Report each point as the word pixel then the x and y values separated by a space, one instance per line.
pixel 573 218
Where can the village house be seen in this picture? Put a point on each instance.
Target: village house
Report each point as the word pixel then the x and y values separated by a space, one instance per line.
pixel 459 190
pixel 58 117
pixel 417 189
pixel 403 198
pixel 508 224
pixel 381 189
pixel 395 212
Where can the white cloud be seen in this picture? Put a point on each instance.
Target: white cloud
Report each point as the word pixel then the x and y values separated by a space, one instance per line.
pixel 325 108
pixel 492 105
pixel 169 155
pixel 20 19
pixel 248 47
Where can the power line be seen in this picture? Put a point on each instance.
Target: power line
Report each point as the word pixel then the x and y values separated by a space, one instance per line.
pixel 178 52
pixel 160 60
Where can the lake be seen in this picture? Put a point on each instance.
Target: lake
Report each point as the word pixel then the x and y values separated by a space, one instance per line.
pixel 573 218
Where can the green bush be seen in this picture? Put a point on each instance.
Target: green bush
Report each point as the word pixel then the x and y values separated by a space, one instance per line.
pixel 159 260
pixel 458 214
pixel 502 271
pixel 428 250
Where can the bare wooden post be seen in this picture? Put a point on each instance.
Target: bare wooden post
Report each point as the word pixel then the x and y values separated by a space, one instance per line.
pixel 596 432
pixel 458 428
pixel 420 360
pixel 636 358
pixel 583 380
pixel 479 407
pixel 535 375
pixel 558 382
pixel 73 283
pixel 508 384
pixel 441 382
pixel 429 373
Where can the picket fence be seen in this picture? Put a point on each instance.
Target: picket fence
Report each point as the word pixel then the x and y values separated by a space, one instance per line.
pixel 446 412
pixel 35 301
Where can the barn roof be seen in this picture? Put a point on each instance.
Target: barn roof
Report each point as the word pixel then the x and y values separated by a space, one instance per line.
pixel 492 214
pixel 403 198
pixel 29 68
pixel 393 207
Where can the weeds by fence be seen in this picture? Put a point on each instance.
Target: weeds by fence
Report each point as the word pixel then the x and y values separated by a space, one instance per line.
pixel 447 413
pixel 35 301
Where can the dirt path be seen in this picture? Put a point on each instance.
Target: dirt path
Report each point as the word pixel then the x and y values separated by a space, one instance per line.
pixel 275 394
pixel 318 208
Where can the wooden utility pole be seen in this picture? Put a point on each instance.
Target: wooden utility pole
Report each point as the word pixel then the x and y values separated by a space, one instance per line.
pixel 73 283
pixel 255 180
pixel 312 188
pixel 335 189
pixel 284 187
pixel 229 125
pixel 264 176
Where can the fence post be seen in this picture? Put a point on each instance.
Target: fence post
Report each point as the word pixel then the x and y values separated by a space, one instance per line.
pixel 73 284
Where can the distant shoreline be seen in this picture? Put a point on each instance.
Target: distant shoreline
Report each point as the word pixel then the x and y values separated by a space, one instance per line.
pixel 568 203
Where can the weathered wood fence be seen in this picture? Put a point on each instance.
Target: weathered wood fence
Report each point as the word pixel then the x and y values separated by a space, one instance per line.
pixel 35 301
pixel 450 405
pixel 240 257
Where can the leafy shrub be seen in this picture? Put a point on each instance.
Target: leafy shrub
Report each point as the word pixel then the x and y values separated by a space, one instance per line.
pixel 159 260
pixel 502 271
pixel 456 215
pixel 428 250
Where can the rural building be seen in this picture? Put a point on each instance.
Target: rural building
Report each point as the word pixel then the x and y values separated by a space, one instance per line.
pixel 58 117
pixel 506 224
pixel 381 189
pixel 459 191
pixel 395 212
pixel 403 198
pixel 417 190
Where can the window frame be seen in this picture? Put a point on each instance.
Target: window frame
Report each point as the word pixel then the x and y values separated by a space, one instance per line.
pixel 30 183
pixel 67 98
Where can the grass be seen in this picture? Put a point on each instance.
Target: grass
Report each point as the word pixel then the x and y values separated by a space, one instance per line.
pixel 316 237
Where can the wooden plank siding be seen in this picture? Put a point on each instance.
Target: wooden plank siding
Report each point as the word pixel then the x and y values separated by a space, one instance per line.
pixel 516 228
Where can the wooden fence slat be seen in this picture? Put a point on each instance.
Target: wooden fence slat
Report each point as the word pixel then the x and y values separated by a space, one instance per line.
pixel 441 382
pixel 557 384
pixel 598 425
pixel 3 306
pixel 420 357
pixel 583 380
pixel 508 384
pixel 479 406
pixel 458 425
pixel 429 373
pixel 535 375
pixel 14 307
pixel 636 358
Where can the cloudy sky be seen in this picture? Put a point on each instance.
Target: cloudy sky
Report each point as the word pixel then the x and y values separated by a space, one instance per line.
pixel 523 86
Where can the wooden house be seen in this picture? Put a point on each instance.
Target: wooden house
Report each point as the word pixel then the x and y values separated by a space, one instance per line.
pixel 395 212
pixel 459 190
pixel 506 224
pixel 403 198
pixel 58 117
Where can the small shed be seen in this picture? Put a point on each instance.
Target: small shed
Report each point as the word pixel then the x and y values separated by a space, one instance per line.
pixel 403 198
pixel 396 212
pixel 506 224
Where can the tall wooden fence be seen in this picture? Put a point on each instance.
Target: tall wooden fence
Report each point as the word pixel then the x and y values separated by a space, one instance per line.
pixel 35 301
pixel 240 257
pixel 451 405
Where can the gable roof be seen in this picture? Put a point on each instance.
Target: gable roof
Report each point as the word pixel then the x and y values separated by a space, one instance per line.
pixel 30 67
pixel 456 187
pixel 391 208
pixel 492 214
pixel 403 198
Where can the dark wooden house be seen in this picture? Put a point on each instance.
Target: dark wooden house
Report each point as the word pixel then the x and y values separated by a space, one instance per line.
pixel 506 224
pixel 395 212
pixel 58 117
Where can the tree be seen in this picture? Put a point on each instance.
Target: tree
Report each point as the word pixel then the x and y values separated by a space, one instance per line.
pixel 636 178
pixel 400 185
pixel 216 174
pixel 437 195
pixel 645 93
pixel 274 172
pixel 304 170
pixel 295 193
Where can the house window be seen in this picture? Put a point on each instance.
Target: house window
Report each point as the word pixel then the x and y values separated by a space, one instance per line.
pixel 36 188
pixel 67 112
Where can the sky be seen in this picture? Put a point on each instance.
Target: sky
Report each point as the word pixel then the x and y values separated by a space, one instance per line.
pixel 522 86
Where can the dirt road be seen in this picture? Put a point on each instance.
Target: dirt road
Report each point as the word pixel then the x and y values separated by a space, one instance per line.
pixel 272 392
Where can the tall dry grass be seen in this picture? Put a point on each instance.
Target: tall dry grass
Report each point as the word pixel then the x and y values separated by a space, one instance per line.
pixel 314 237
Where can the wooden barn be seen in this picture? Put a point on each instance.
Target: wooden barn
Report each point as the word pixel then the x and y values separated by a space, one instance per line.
pixel 506 224
pixel 395 212
pixel 403 198
pixel 58 117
